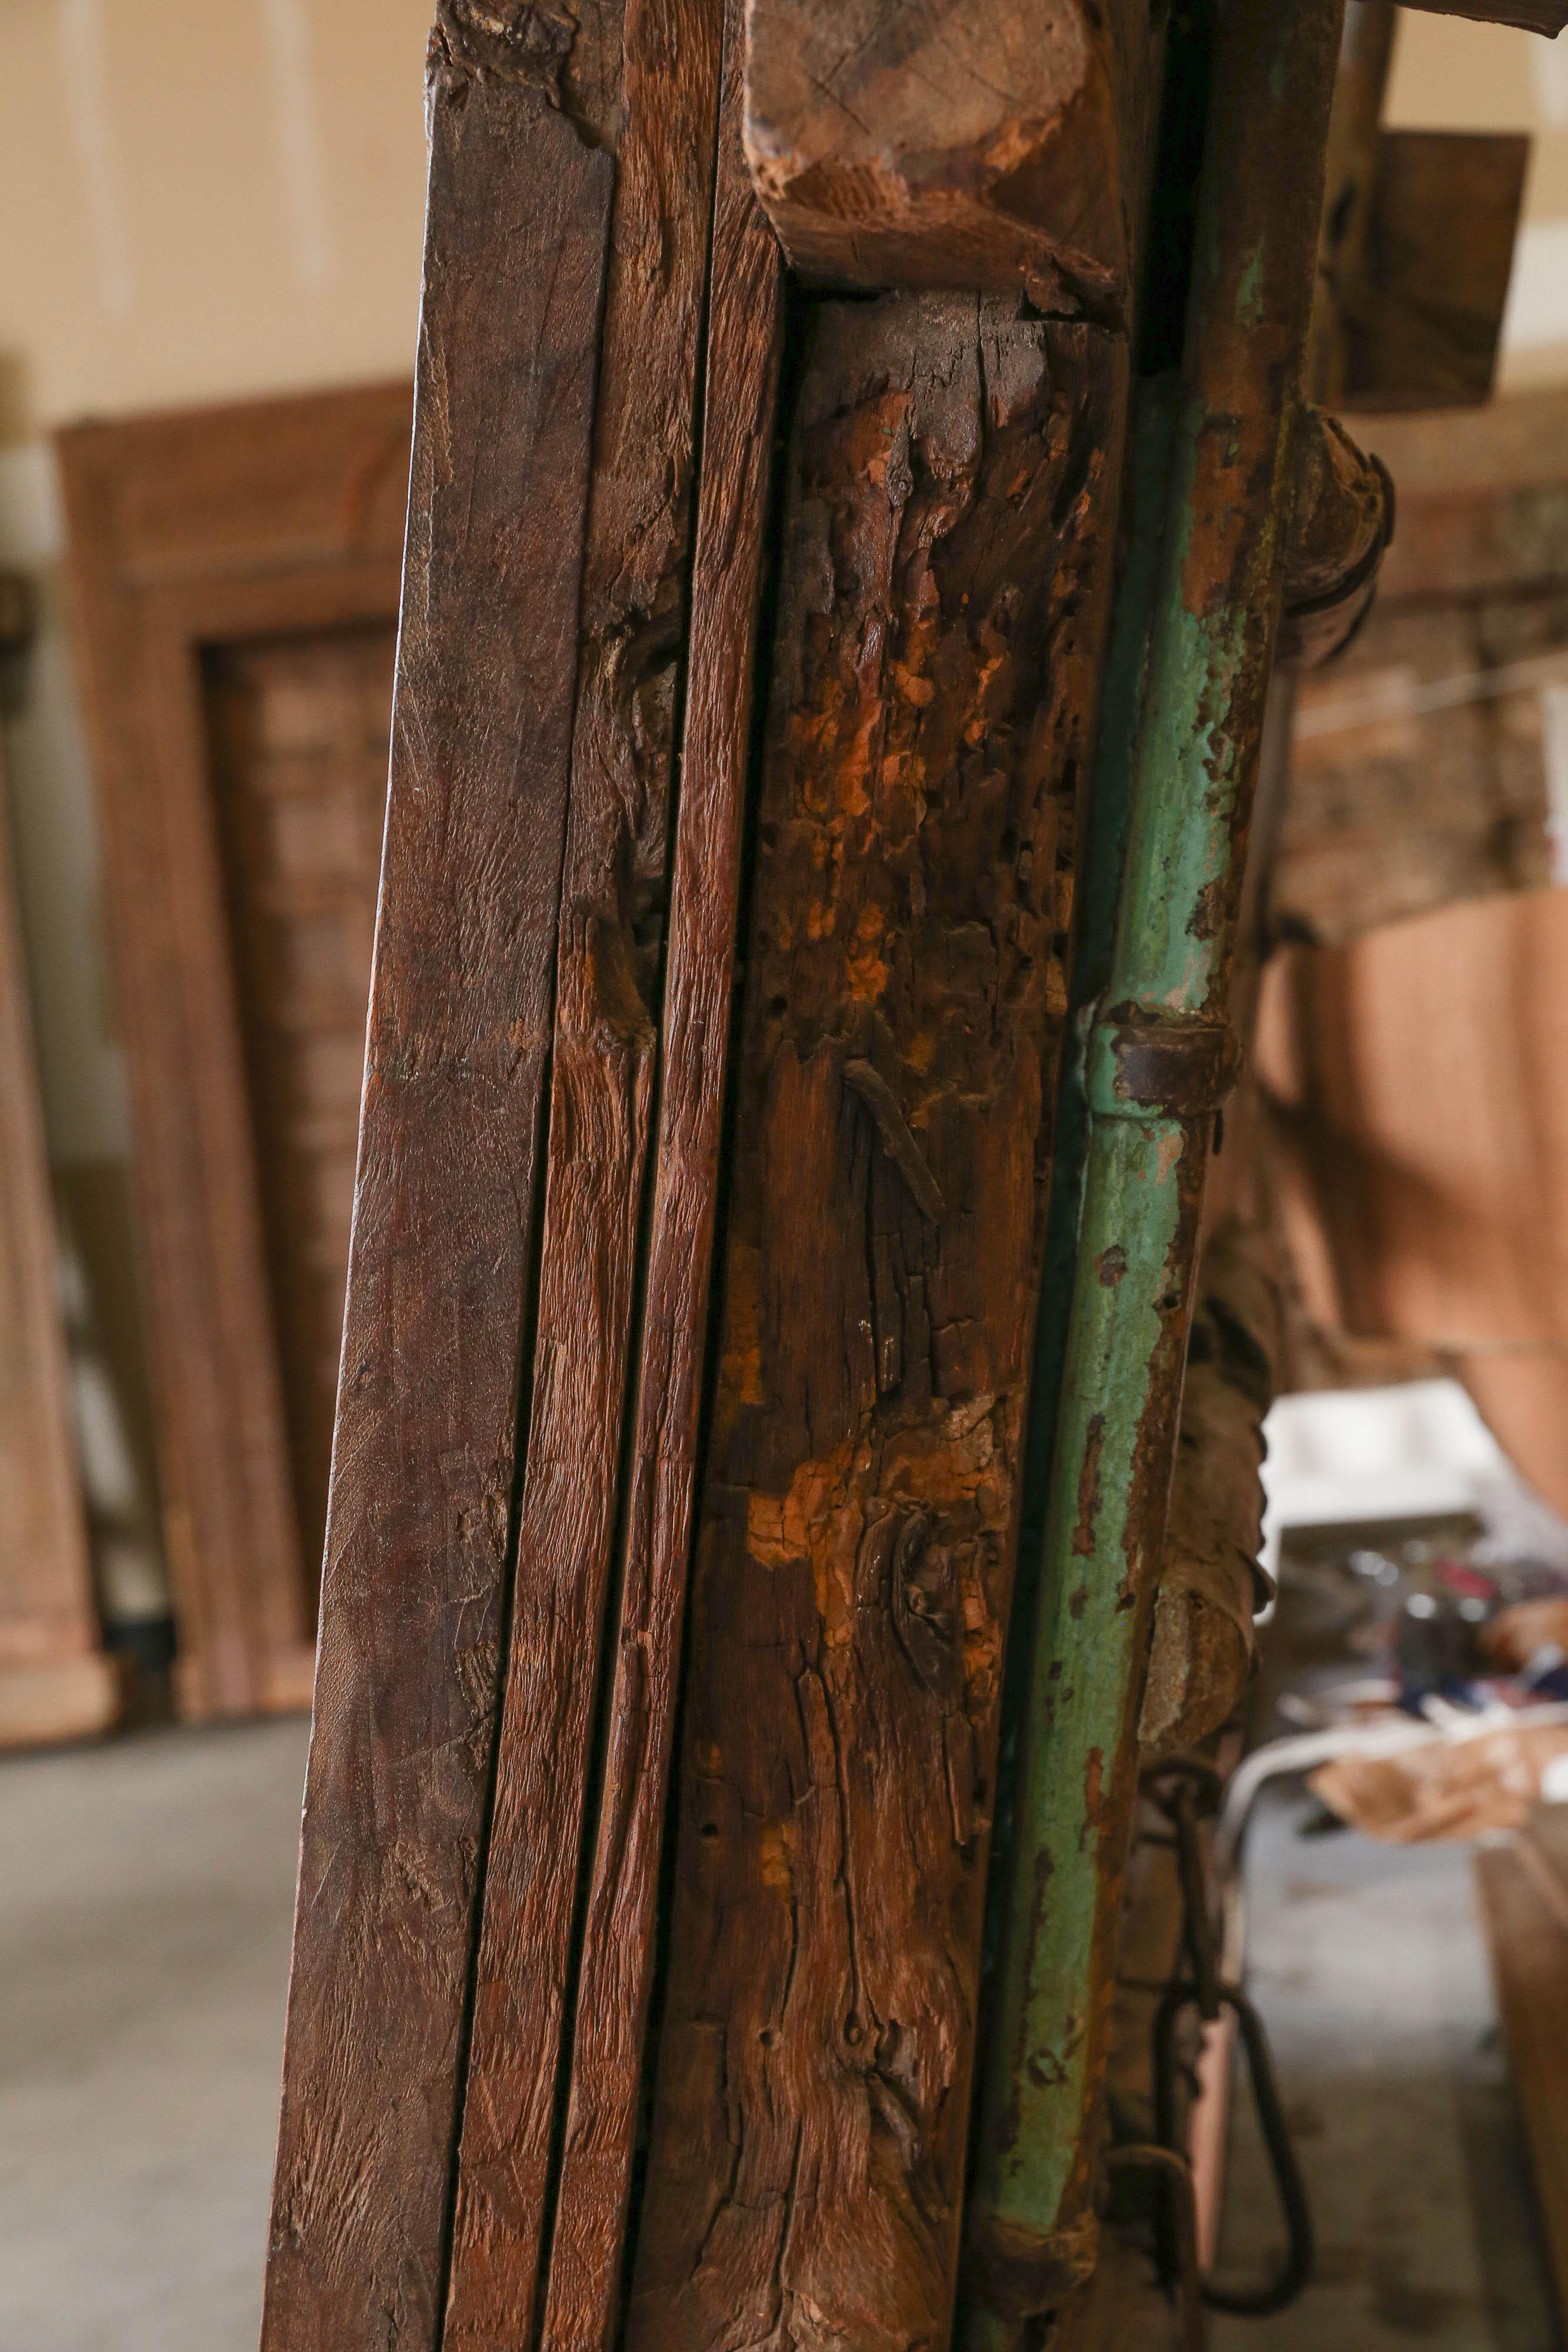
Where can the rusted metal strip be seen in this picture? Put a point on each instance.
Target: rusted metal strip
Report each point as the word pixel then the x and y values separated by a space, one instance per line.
pixel 1194 767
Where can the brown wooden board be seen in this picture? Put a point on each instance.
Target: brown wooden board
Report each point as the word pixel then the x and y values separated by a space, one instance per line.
pixel 602 1101
pixel 235 578
pixel 54 1683
pixel 1530 1966
pixel 442 1282
pixel 618 1934
pixel 954 142
pixel 937 655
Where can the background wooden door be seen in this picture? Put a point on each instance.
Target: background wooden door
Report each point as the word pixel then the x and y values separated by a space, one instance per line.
pixel 237 578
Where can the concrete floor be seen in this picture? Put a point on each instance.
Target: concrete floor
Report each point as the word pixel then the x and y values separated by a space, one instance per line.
pixel 143 1960
pixel 144 1931
pixel 1368 1965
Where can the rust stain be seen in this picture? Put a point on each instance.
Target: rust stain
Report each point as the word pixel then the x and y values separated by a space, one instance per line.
pixel 1089 1490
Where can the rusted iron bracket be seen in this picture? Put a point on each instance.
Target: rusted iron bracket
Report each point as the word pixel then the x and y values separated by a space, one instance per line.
pixel 1340 531
pixel 1139 1062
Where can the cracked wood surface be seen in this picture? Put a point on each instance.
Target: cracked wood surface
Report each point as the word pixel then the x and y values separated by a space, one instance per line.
pixel 619 1940
pixel 944 594
pixel 954 142
pixel 612 907
pixel 423 1471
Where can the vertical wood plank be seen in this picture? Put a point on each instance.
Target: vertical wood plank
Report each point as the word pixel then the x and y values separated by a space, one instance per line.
pixel 611 929
pixel 616 1967
pixel 944 594
pixel 423 1473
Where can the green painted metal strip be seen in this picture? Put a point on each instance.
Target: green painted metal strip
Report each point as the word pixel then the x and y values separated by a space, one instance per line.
pixel 1193 765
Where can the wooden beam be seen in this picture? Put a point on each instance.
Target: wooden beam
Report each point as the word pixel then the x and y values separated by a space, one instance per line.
pixel 945 588
pixel 600 1116
pixel 619 1940
pixel 442 1282
pixel 954 142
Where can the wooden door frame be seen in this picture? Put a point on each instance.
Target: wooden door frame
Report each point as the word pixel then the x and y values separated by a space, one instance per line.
pixel 189 531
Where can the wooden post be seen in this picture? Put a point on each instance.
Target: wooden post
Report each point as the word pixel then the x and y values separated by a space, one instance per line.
pixel 952 478
pixel 442 1281
pixel 521 1416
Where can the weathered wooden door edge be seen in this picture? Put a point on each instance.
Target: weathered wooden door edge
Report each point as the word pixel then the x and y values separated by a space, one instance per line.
pixel 430 1486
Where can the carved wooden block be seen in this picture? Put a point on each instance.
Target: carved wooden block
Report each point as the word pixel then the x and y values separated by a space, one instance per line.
pixel 954 142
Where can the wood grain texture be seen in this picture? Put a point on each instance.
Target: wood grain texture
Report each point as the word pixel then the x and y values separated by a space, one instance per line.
pixel 1530 1966
pixel 54 1683
pixel 422 1475
pixel 610 955
pixel 954 142
pixel 192 534
pixel 943 587
pixel 619 1940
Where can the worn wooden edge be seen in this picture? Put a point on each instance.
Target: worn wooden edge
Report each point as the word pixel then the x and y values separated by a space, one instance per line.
pixel 603 1081
pixel 423 1504
pixel 745 335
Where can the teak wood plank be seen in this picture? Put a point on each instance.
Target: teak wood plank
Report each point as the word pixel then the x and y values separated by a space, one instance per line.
pixel 191 534
pixel 611 926
pixel 945 582
pixel 1529 1965
pixel 55 1683
pixel 422 1497
pixel 617 1958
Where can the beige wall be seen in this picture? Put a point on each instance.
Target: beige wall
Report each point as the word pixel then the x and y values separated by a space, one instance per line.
pixel 200 203
pixel 212 200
